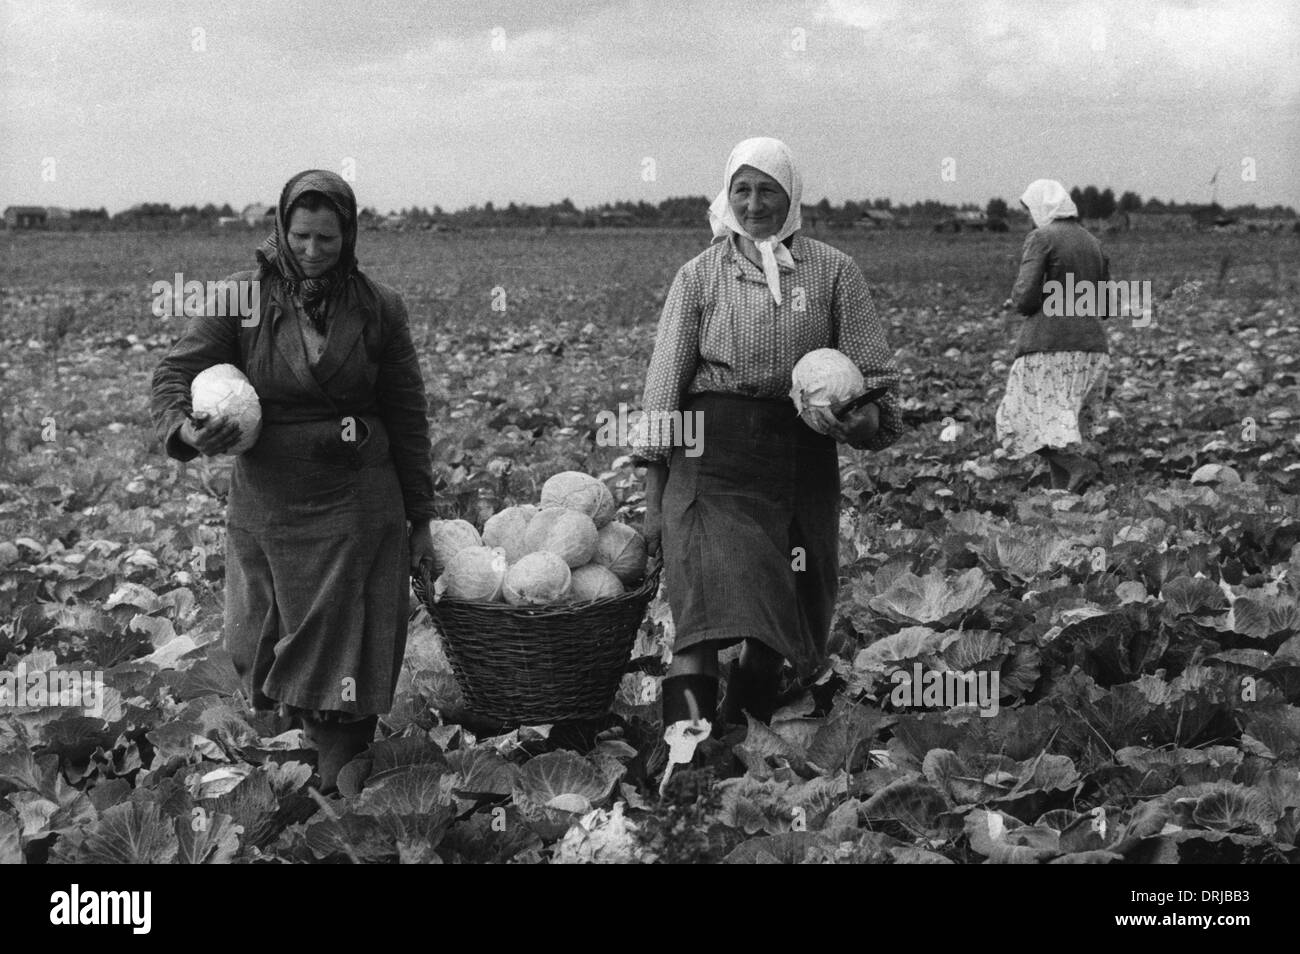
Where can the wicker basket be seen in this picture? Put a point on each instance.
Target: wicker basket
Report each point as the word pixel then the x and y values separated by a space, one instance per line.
pixel 529 666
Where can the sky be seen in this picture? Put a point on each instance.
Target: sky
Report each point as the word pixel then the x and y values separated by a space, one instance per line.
pixel 452 104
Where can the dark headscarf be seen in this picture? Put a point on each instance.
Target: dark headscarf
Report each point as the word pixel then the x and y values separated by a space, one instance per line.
pixel 320 297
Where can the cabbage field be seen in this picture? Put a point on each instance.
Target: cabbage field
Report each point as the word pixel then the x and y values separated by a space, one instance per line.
pixel 1146 634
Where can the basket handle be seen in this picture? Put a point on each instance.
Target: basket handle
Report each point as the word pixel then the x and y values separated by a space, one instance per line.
pixel 426 578
pixel 653 566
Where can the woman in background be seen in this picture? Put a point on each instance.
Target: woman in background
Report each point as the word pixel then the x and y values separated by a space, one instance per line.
pixel 329 510
pixel 1059 373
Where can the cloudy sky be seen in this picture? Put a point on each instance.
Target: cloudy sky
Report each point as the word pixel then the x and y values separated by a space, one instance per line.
pixel 113 103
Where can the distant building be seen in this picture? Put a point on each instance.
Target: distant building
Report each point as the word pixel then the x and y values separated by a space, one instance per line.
pixel 256 215
pixel 617 217
pixel 148 216
pixel 26 217
pixel 58 218
pixel 969 219
pixel 877 219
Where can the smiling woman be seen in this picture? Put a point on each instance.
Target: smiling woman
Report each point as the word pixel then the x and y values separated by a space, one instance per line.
pixel 758 201
pixel 749 528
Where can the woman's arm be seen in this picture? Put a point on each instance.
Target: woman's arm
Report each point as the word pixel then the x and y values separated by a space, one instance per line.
pixel 1027 295
pixel 656 478
pixel 399 393
pixel 206 341
pixel 672 366
pixel 860 335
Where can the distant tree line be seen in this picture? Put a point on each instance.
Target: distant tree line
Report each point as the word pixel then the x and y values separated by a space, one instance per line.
pixel 683 211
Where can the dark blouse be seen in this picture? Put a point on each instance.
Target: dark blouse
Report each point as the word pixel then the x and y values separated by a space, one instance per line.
pixel 1058 249
pixel 367 367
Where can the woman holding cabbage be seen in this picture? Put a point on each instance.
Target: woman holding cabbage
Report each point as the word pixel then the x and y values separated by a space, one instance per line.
pixel 750 526
pixel 329 510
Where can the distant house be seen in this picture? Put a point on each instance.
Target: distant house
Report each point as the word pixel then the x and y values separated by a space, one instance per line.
pixel 970 219
pixel 257 214
pixel 617 217
pixel 26 217
pixel 148 216
pixel 229 221
pixel 877 219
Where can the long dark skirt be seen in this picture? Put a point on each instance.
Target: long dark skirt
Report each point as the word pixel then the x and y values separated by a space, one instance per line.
pixel 317 569
pixel 751 530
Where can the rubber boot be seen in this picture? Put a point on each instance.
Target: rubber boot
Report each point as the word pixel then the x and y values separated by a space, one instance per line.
pixel 732 711
pixel 689 698
pixel 753 684
pixel 337 744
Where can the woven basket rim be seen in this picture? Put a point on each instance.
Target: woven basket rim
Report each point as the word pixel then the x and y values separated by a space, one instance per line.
pixel 424 590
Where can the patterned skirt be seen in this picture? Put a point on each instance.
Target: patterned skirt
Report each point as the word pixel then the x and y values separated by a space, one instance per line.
pixel 1051 400
pixel 751 530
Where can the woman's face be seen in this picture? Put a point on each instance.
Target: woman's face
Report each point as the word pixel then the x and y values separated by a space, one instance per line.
pixel 759 202
pixel 316 240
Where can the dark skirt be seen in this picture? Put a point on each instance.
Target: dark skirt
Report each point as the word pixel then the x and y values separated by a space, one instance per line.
pixel 751 530
pixel 317 569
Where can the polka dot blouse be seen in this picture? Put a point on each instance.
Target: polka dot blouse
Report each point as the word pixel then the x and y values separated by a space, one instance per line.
pixel 722 331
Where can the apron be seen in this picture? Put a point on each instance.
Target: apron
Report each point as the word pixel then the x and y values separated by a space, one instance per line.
pixel 751 530
pixel 316 577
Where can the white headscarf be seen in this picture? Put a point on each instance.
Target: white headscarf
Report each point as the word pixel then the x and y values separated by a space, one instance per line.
pixel 1047 200
pixel 770 156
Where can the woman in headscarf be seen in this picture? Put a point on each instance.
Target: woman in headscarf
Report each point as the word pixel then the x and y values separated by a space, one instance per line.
pixel 328 511
pixel 1059 373
pixel 750 525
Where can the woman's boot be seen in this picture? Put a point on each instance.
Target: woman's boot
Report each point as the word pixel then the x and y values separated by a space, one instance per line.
pixel 753 684
pixel 337 744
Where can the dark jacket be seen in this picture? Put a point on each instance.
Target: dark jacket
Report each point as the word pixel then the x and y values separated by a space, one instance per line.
pixel 369 367
pixel 1058 249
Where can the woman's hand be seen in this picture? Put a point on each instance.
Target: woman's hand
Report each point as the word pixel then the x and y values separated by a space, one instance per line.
pixel 859 427
pixel 656 476
pixel 210 435
pixel 421 544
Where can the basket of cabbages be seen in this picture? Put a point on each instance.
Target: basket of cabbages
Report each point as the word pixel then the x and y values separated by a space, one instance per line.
pixel 540 609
